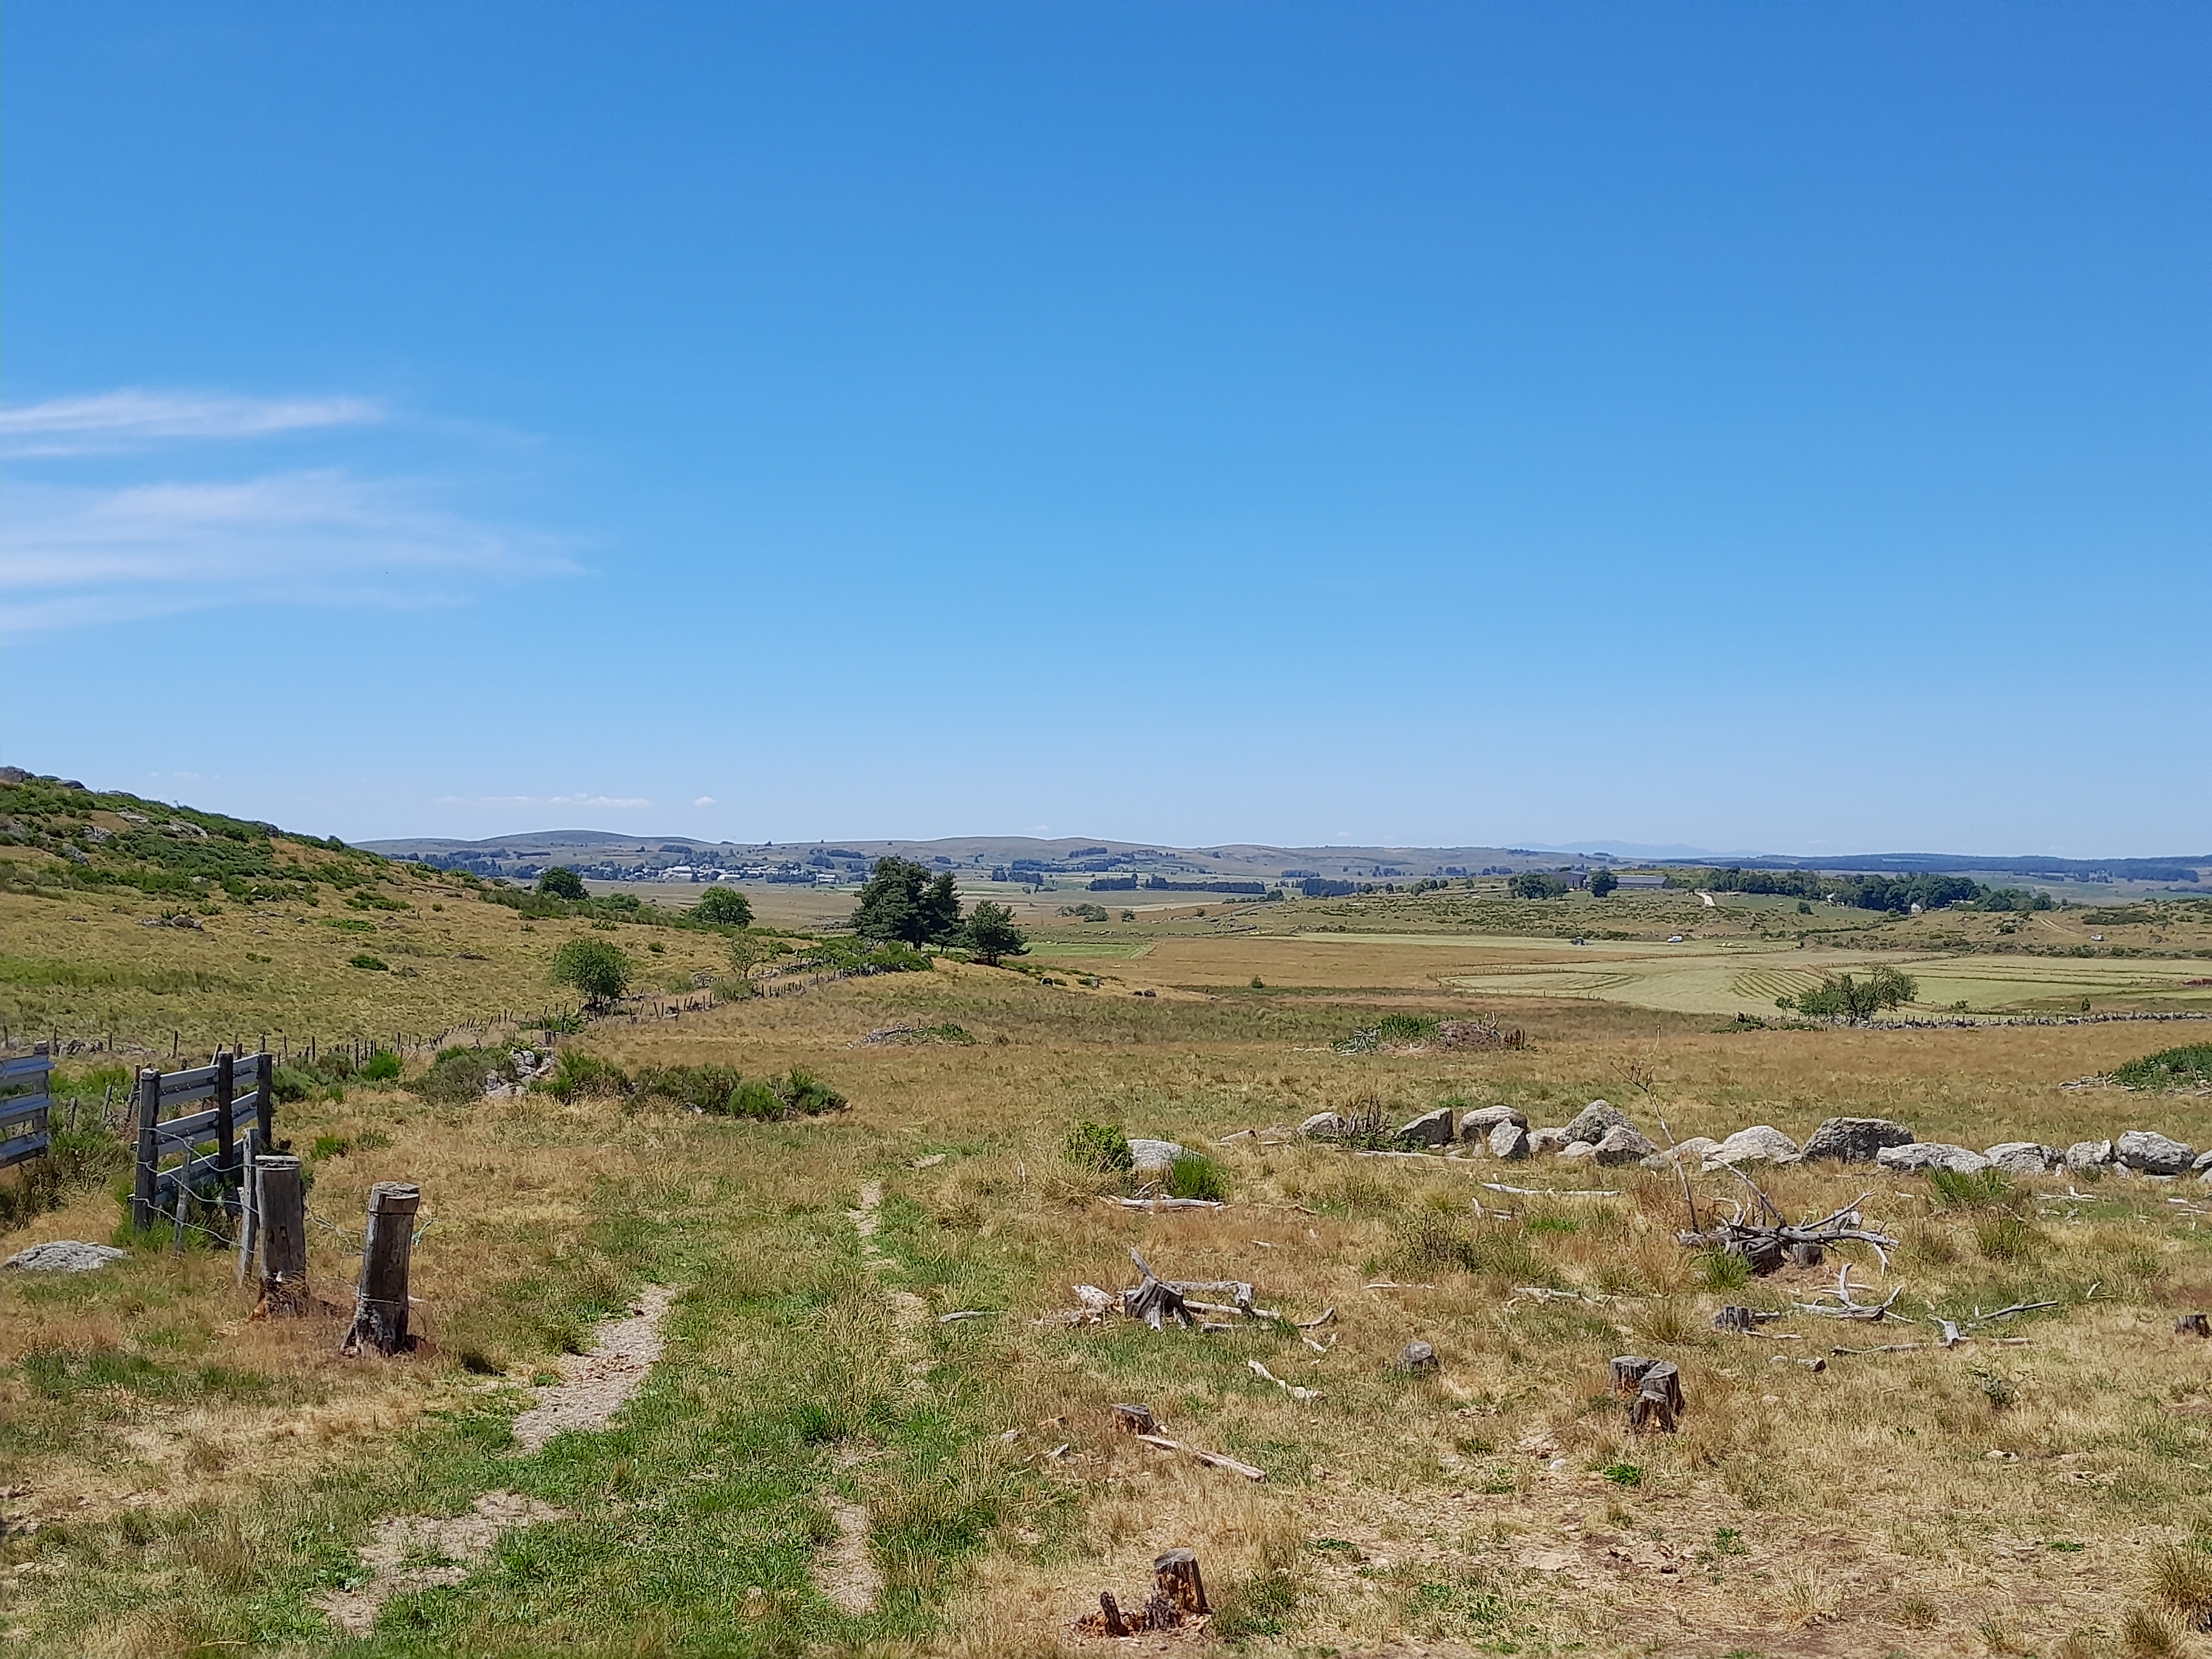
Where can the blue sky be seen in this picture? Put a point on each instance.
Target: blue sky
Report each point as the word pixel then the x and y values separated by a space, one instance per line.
pixel 1748 425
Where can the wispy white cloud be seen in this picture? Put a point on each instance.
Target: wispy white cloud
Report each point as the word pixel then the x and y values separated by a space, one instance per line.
pixel 130 417
pixel 71 557
pixel 704 800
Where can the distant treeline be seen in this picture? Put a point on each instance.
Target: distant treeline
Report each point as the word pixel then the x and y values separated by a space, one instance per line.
pixel 1894 893
pixel 1162 884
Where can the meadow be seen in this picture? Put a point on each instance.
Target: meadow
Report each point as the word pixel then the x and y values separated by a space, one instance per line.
pixel 186 1478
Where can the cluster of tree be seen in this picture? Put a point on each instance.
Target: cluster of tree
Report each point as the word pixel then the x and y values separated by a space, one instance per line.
pixel 1897 894
pixel 2014 898
pixel 907 902
pixel 1847 997
pixel 1535 885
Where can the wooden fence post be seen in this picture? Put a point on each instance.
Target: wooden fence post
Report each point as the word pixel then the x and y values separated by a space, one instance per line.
pixel 380 1307
pixel 264 1104
pixel 226 1140
pixel 149 1114
pixel 280 1207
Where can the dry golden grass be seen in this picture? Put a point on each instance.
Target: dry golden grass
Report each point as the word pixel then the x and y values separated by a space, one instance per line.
pixel 1854 1509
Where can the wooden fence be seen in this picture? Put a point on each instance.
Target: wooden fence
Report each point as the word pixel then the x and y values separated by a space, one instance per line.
pixel 234 1091
pixel 23 1132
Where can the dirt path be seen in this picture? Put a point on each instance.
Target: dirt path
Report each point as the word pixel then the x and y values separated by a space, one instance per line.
pixel 440 1552
pixel 595 1386
pixel 844 1569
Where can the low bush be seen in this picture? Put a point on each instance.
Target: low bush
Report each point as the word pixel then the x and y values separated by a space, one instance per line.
pixel 1099 1146
pixel 383 1068
pixel 1194 1176
pixel 458 1076
pixel 702 1088
pixel 2171 1068
pixel 368 963
pixel 579 1073
pixel 1984 1190
pixel 796 1093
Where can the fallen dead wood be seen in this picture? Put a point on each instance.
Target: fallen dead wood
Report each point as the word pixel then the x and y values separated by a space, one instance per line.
pixel 1551 1192
pixel 1747 1320
pixel 1213 1459
pixel 1886 1347
pixel 1767 1245
pixel 1847 1308
pixel 1157 1204
pixel 966 1313
pixel 1290 1389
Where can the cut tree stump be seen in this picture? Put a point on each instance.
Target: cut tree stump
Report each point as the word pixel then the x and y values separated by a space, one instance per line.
pixel 1110 1611
pixel 1177 1576
pixel 1628 1370
pixel 1658 1402
pixel 380 1313
pixel 2195 1324
pixel 1747 1320
pixel 1135 1419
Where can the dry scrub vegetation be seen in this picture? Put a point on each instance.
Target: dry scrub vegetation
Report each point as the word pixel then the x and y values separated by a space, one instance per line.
pixel 185 1480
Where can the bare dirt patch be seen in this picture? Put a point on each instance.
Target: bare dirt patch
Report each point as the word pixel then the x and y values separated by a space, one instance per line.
pixel 411 1553
pixel 595 1386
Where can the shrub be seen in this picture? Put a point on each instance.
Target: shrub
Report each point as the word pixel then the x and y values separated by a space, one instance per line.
pixel 2005 1238
pixel 796 1093
pixel 722 907
pixel 730 988
pixel 599 971
pixel 365 961
pixel 579 1073
pixel 1194 1176
pixel 383 1068
pixel 562 883
pixel 1534 885
pixel 458 1076
pixel 754 1099
pixel 1099 1146
pixel 702 1088
pixel 2171 1068
pixel 1985 1189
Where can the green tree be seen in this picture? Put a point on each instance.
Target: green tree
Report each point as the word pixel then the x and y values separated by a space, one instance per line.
pixel 724 907
pixel 1603 882
pixel 990 933
pixel 903 901
pixel 561 883
pixel 1535 885
pixel 598 970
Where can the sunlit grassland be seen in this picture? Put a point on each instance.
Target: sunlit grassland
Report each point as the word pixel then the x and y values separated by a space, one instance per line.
pixel 199 1476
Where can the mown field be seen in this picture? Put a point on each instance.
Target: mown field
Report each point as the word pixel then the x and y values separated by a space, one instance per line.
pixel 188 1480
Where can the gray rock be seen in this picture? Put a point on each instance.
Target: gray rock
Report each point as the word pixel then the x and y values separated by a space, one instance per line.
pixel 1623 1145
pixel 1477 1124
pixel 1696 1150
pixel 1417 1357
pixel 1548 1140
pixel 2152 1154
pixel 1325 1126
pixel 1855 1140
pixel 1931 1155
pixel 1431 1128
pixel 1593 1120
pixel 2088 1154
pixel 1154 1154
pixel 64 1255
pixel 1577 1152
pixel 2203 1163
pixel 2025 1157
pixel 1762 1143
pixel 1509 1140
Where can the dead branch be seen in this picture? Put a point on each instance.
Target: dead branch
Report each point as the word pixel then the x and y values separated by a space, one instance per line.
pixel 1766 1247
pixel 1551 1192
pixel 1216 1460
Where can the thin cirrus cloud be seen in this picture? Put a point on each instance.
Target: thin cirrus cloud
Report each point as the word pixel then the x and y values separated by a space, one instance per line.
pixel 129 417
pixel 75 554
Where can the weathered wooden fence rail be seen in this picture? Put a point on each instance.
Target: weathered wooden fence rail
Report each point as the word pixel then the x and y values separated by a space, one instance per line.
pixel 23 1117
pixel 209 1150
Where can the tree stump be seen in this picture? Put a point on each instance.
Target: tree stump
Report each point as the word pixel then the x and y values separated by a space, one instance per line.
pixel 1628 1370
pixel 1806 1255
pixel 1746 1320
pixel 1110 1611
pixel 281 1205
pixel 1154 1301
pixel 1176 1574
pixel 1658 1402
pixel 380 1314
pixel 2195 1324
pixel 1135 1419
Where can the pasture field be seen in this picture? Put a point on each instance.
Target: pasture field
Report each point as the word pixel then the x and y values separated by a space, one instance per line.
pixel 186 1479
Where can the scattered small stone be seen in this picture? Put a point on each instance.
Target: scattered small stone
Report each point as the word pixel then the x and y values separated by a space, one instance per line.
pixel 1418 1357
pixel 1761 1143
pixel 1593 1120
pixel 2151 1153
pixel 1922 1155
pixel 1509 1140
pixel 63 1256
pixel 1854 1140
pixel 1325 1126
pixel 2027 1157
pixel 1158 1156
pixel 2088 1154
pixel 1431 1128
pixel 1623 1145
pixel 1478 1124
